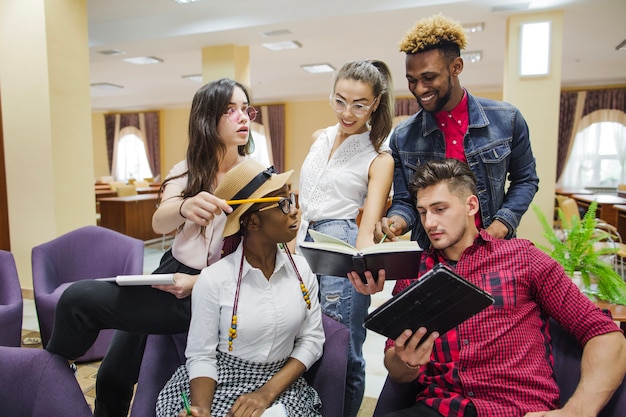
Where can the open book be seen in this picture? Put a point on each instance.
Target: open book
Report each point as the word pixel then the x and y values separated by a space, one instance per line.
pixel 438 301
pixel 328 255
pixel 155 279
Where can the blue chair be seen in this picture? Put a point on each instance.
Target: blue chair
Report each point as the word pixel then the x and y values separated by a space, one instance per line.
pixel 11 302
pixel 165 353
pixel 567 353
pixel 85 253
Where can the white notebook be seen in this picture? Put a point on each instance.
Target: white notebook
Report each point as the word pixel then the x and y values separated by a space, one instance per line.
pixel 155 279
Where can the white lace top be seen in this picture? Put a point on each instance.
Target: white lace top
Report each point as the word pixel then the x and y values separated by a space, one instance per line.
pixel 334 188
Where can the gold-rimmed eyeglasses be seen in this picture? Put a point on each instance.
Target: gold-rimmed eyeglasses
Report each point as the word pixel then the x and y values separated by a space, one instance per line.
pixel 233 113
pixel 339 105
pixel 285 204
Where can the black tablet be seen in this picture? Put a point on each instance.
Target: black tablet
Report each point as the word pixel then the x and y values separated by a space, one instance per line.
pixel 439 301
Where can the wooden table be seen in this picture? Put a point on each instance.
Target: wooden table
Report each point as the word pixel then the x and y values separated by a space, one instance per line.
pixel 100 194
pixel 146 190
pixel 617 311
pixel 568 192
pixel 606 205
pixel 130 215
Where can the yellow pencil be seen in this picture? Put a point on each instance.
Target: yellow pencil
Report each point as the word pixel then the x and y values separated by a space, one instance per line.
pixel 254 200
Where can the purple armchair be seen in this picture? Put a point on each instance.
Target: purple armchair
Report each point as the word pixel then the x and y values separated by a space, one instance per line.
pixel 85 253
pixel 164 353
pixel 11 302
pixel 567 353
pixel 35 382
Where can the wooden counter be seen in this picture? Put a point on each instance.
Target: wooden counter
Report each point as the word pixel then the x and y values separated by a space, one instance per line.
pixel 130 215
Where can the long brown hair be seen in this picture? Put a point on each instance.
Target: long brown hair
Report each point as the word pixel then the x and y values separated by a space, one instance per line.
pixel 206 149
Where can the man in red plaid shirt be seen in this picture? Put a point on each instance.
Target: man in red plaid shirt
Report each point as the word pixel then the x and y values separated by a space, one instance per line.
pixel 499 362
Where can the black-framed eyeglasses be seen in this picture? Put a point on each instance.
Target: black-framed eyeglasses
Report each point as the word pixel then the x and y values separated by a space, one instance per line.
pixel 339 105
pixel 233 113
pixel 285 204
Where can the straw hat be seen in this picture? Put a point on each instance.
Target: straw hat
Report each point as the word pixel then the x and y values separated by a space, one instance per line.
pixel 249 179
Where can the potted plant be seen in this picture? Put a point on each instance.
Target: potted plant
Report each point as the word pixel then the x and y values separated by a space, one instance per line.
pixel 577 250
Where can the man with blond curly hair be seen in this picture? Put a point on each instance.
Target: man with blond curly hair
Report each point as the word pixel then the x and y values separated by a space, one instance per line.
pixel 491 136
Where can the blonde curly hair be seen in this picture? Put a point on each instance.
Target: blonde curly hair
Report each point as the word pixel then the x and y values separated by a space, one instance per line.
pixel 434 32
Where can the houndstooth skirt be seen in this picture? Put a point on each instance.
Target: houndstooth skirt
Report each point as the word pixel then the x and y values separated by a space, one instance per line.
pixel 235 378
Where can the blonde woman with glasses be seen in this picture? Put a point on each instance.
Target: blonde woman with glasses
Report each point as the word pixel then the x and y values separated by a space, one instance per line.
pixel 348 168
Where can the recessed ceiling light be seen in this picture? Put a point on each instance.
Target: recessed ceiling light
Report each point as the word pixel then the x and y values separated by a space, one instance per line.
pixel 472 56
pixel 474 27
pixel 515 7
pixel 282 45
pixel 144 60
pixel 185 1
pixel 193 77
pixel 111 52
pixel 106 86
pixel 318 68
pixel 621 46
pixel 278 32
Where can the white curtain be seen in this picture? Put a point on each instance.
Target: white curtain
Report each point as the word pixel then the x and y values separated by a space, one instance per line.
pixel 130 156
pixel 598 155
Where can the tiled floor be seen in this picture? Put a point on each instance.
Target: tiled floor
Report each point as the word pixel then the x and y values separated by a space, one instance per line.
pixel 373 348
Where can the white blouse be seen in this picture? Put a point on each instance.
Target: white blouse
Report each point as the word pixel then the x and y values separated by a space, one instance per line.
pixel 335 187
pixel 190 247
pixel 273 321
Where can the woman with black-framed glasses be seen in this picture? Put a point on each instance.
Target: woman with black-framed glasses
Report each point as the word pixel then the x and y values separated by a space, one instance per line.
pixel 347 163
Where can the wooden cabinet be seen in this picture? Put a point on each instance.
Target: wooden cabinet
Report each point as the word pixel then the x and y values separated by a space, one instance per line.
pixel 130 215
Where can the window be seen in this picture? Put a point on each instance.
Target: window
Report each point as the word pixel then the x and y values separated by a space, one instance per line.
pixel 131 160
pixel 598 157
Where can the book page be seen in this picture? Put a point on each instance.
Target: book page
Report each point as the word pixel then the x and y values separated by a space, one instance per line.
pixel 324 241
pixel 320 237
pixel 397 246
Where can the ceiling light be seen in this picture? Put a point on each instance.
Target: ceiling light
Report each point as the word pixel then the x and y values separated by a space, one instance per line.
pixel 621 46
pixel 193 77
pixel 474 27
pixel 185 1
pixel 143 60
pixel 318 68
pixel 111 52
pixel 511 7
pixel 278 32
pixel 472 56
pixel 106 86
pixel 283 45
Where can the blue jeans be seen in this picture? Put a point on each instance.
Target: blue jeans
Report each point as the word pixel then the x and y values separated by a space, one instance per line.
pixel 342 302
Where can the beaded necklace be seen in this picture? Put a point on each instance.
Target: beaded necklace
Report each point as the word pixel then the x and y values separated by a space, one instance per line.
pixel 232 332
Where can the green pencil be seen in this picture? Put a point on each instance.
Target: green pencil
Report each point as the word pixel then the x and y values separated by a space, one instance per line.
pixel 186 402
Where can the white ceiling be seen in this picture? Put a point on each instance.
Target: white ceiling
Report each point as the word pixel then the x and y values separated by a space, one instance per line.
pixel 331 31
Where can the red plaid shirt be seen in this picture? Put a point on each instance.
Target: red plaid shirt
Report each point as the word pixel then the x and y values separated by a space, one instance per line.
pixel 500 360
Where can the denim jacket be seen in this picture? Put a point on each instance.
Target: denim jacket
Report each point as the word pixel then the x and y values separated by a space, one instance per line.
pixel 497 142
